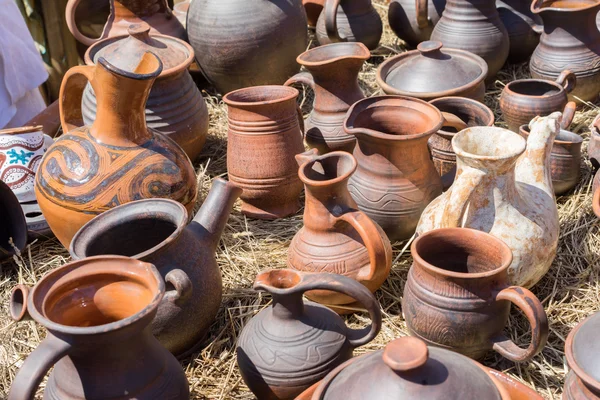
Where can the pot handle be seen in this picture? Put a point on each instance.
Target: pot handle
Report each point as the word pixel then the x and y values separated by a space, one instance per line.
pixel 72 25
pixel 331 7
pixel 18 303
pixel 302 78
pixel 183 287
pixel 567 80
pixel 568 114
pixel 465 183
pixel 534 311
pixel 71 94
pixel 453 121
pixel 422 13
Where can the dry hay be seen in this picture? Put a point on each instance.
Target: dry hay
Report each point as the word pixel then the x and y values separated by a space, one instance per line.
pixel 569 292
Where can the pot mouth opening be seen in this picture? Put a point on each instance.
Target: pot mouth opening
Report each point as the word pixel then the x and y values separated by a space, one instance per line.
pixel 328 169
pixel 22 130
pixel 332 52
pixel 488 143
pixel 460 113
pixel 534 88
pixel 260 95
pixel 563 137
pixel 277 280
pixel 582 351
pixel 563 5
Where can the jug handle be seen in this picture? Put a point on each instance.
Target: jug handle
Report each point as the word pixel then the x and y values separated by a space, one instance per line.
pixel 534 311
pixel 568 115
pixel 567 80
pixel 302 78
pixel 70 100
pixel 465 183
pixel 72 25
pixel 422 13
pixel 331 7
pixel 183 287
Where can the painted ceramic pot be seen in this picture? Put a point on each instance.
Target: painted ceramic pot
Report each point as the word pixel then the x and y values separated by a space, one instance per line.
pixel 582 381
pixel 523 27
pixel 13 232
pixel 413 20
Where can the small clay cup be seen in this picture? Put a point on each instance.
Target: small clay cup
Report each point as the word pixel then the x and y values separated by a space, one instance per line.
pixel 583 381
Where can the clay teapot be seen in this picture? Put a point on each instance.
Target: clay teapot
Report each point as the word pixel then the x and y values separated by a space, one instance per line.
pixel 293 343
pixel 183 252
pixel 13 230
pixel 313 9
pixel 413 20
pixel 503 186
pixel 523 27
pixel 117 159
pixel 582 381
pixel 97 311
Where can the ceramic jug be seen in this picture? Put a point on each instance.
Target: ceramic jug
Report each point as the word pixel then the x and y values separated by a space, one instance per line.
pixel 570 40
pixel 183 252
pixel 349 21
pixel 582 383
pixel 336 236
pixel 117 159
pixel 313 9
pixel 293 343
pixel 523 27
pixel 97 312
pixel 413 20
pixel 395 178
pixel 13 230
pixel 503 187
pixel 332 73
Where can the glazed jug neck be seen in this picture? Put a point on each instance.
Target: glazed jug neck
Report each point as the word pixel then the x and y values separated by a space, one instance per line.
pixel 288 306
pixel 124 9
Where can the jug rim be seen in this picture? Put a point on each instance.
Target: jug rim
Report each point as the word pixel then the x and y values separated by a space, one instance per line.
pixel 288 277
pixel 537 7
pixel 509 87
pixel 587 379
pixel 301 59
pixel 287 93
pixel 328 182
pixel 460 152
pixel 524 130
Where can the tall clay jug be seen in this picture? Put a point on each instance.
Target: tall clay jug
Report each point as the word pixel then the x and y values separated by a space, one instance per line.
pixel 97 312
pixel 117 159
pixel 413 20
pixel 503 186
pixel 333 75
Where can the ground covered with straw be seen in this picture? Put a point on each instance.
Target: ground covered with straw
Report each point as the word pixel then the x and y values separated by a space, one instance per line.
pixel 569 292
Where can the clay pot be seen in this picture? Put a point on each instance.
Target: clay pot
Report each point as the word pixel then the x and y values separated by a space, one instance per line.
pixel 265 133
pixel 183 253
pixel 123 13
pixel 430 72
pixel 336 237
pixel 349 21
pixel 570 40
pixel 115 160
pixel 523 27
pixel 524 99
pixel 241 43
pixel 293 343
pixel 413 20
pixel 313 9
pixel 333 76
pixel 459 113
pixel 97 312
pixel 474 26
pixel 503 186
pixel 395 178
pixel 175 106
pixel 13 227
pixel 582 381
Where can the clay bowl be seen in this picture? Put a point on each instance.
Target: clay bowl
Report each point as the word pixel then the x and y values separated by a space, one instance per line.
pixel 583 357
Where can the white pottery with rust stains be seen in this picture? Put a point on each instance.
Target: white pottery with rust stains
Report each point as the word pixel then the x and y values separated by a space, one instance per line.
pixel 503 186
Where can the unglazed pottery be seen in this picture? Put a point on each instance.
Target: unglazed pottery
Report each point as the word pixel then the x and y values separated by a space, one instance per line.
pixel 395 179
pixel 332 73
pixel 292 344
pixel 115 160
pixel 241 43
pixel 97 312
pixel 431 72
pixel 349 21
pixel 264 134
pixel 413 20
pixel 183 253
pixel 336 236
pixel 313 9
pixel 523 27
pixel 503 186
pixel 13 229
pixel 582 382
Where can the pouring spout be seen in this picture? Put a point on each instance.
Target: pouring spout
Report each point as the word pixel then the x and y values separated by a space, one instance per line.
pixel 307 156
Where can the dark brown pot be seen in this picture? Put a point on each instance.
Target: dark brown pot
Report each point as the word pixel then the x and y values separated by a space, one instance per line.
pixel 293 343
pixel 413 20
pixel 582 357
pixel 523 27
pixel 457 295
pixel 313 9
pixel 13 227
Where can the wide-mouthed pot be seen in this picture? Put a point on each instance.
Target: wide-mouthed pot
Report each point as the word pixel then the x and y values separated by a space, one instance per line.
pixel 581 350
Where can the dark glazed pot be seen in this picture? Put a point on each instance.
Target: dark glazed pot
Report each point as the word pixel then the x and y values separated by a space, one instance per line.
pixel 13 227
pixel 523 27
pixel 583 381
pixel 413 20
pixel 292 344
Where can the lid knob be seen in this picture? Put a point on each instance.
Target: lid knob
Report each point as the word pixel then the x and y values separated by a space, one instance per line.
pixel 139 30
pixel 405 354
pixel 429 46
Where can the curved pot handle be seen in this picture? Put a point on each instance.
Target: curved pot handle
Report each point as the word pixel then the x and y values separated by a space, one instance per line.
pixel 422 13
pixel 302 78
pixel 568 114
pixel 534 311
pixel 465 183
pixel 72 25
pixel 331 8
pixel 18 303
pixel 567 80
pixel 183 287
pixel 71 93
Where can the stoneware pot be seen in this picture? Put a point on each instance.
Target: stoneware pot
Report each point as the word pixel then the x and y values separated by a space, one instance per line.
pixel 570 40
pixel 183 253
pixel 336 236
pixel 582 381
pixel 395 178
pixel 413 20
pixel 332 73
pixel 115 160
pixel 313 9
pixel 292 344
pixel 523 27
pixel 349 21
pixel 431 72
pixel 175 106
pixel 459 113
pixel 524 99
pixel 241 43
pixel 264 134
pixel 503 186
pixel 97 312
pixel 13 228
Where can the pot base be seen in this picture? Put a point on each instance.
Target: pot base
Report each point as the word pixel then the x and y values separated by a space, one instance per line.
pixel 283 211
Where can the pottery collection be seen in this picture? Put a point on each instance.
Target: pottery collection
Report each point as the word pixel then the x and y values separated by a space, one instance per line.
pixel 523 27
pixel 413 20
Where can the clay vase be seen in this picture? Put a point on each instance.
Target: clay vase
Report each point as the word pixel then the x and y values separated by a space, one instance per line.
pixel 117 159
pixel 395 178
pixel 413 20
pixel 292 344
pixel 503 186
pixel 459 113
pixel 571 40
pixel 524 99
pixel 97 312
pixel 265 133
pixel 175 106
pixel 241 43
pixel 332 73
pixel 349 21
pixel 474 26
pixel 183 253
pixel 523 27
pixel 13 230
pixel 336 236
pixel 582 381
pixel 313 9
pixel 123 13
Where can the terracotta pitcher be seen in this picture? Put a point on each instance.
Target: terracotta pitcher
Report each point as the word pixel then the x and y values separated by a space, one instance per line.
pixel 336 237
pixel 524 28
pixel 117 159
pixel 97 312
pixel 293 343
pixel 395 178
pixel 503 186
pixel 13 230
pixel 413 20
pixel 333 76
